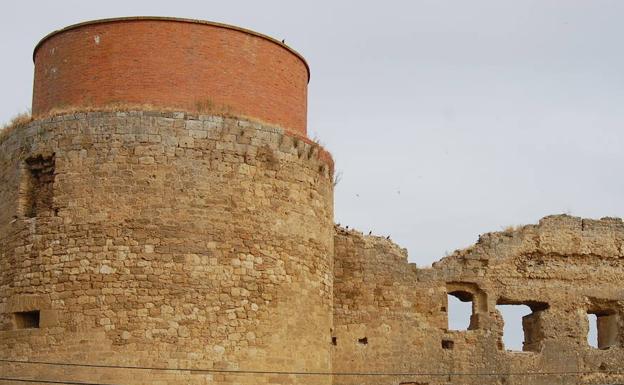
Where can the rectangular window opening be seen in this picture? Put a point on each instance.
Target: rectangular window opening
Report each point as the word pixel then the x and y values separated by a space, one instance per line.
pixel 522 326
pixel 603 329
pixel 460 310
pixel 39 186
pixel 27 320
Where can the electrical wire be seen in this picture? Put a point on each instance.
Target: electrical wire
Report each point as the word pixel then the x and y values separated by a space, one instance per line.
pixel 300 373
pixel 97 383
pixel 51 381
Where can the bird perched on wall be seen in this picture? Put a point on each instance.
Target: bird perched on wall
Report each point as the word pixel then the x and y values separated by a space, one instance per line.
pixel 370 232
pixel 283 41
pixel 388 237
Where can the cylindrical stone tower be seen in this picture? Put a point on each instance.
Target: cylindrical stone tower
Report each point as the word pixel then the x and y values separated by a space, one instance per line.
pixel 165 209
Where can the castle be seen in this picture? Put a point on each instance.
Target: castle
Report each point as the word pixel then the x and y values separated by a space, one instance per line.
pixel 164 219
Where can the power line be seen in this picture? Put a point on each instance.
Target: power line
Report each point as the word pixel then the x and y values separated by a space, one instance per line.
pixel 98 383
pixel 51 381
pixel 389 374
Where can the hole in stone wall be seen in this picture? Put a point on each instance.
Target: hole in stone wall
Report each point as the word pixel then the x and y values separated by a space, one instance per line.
pixel 39 186
pixel 513 337
pixel 334 341
pixel 27 319
pixel 603 329
pixel 522 329
pixel 592 335
pixel 460 310
pixel 448 344
pixel 363 341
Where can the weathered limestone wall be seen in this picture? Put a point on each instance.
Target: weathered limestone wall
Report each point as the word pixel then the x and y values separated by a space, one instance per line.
pixel 167 240
pixel 563 268
pixel 173 240
pixel 179 241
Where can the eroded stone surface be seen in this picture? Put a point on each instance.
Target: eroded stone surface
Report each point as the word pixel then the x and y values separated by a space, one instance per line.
pixel 563 268
pixel 167 241
pixel 177 241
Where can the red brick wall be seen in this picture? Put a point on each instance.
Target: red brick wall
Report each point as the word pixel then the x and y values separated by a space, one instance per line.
pixel 175 64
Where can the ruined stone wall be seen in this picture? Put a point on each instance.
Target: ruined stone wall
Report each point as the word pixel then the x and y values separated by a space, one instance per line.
pixel 391 316
pixel 164 240
pixel 178 241
pixel 167 247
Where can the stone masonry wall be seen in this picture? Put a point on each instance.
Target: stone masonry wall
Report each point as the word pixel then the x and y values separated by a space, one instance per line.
pixel 171 240
pixel 391 316
pixel 167 240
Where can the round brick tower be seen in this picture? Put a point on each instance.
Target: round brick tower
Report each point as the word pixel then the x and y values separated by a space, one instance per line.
pixel 166 209
pixel 175 64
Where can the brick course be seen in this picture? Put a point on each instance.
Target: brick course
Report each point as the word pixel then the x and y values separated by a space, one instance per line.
pixel 174 64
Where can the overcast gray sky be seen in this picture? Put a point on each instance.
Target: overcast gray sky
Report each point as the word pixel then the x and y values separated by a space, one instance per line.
pixel 446 119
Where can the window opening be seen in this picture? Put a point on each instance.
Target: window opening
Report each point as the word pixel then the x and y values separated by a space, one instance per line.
pixel 603 329
pixel 592 335
pixel 522 326
pixel 460 309
pixel 27 320
pixel 40 184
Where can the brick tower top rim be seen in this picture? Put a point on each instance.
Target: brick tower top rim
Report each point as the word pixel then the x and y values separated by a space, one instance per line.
pixel 175 20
